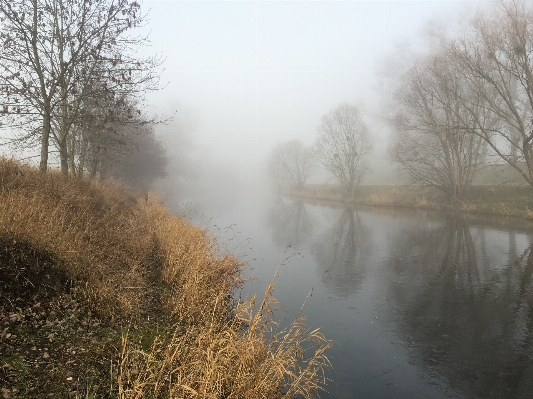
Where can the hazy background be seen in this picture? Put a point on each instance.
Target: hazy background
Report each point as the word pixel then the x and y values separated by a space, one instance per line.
pixel 241 76
pixel 244 75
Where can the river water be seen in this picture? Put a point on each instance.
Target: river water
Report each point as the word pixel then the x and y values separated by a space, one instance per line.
pixel 419 304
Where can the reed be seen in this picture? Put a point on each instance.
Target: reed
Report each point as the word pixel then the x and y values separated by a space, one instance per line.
pixel 95 231
pixel 162 282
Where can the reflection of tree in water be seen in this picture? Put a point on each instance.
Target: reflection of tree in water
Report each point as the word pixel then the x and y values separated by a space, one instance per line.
pixel 341 251
pixel 465 319
pixel 291 224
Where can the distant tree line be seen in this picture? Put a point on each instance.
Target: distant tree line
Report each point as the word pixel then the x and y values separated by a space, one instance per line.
pixel 462 106
pixel 72 79
pixel 342 147
pixel 470 97
pixel 291 164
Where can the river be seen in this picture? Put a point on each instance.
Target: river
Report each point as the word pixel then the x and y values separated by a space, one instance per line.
pixel 419 304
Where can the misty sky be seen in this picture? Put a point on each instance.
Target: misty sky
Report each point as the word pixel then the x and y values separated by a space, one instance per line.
pixel 245 75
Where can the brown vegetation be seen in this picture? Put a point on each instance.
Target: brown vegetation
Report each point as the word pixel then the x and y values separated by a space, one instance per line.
pixel 105 294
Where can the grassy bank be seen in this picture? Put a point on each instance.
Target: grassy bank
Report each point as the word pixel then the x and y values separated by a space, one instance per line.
pixel 106 294
pixel 508 200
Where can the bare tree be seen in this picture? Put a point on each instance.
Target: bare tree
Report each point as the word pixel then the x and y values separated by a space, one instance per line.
pixel 290 164
pixel 343 145
pixel 106 133
pixel 434 142
pixel 59 53
pixel 496 61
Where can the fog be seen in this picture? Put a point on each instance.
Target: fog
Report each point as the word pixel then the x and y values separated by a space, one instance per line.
pixel 242 76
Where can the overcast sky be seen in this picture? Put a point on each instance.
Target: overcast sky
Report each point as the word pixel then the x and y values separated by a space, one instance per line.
pixel 250 74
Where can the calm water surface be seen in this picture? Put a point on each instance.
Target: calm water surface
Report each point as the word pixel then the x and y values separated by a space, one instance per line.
pixel 420 305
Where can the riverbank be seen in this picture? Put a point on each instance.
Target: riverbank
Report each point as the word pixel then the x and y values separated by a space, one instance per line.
pixel 104 293
pixel 506 200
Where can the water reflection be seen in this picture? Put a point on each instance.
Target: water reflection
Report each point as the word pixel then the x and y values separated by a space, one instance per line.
pixel 462 303
pixel 290 223
pixel 420 304
pixel 340 253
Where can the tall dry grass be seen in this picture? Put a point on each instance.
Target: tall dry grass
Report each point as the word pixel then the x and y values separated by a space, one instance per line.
pixel 244 357
pixel 95 231
pixel 215 349
pixel 130 258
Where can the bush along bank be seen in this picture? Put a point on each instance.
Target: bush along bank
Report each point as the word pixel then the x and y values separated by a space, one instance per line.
pixel 504 199
pixel 106 294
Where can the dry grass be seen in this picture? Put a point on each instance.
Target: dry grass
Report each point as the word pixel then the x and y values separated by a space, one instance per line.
pixel 380 199
pixel 242 358
pixel 128 259
pixel 96 231
pixel 217 350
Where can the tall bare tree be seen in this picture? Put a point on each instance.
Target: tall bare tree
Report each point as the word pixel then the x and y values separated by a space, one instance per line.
pixel 343 145
pixel 56 55
pixel 107 126
pixel 496 60
pixel 434 142
pixel 290 164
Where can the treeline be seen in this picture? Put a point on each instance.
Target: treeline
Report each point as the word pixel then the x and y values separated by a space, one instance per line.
pixel 464 105
pixel 73 82
pixel 342 148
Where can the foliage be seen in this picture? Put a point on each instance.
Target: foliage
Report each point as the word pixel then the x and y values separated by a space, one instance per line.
pixel 433 142
pixel 473 94
pixel 495 59
pixel 136 157
pixel 68 68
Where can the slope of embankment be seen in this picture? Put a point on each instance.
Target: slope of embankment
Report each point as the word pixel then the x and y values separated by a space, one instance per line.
pixel 106 294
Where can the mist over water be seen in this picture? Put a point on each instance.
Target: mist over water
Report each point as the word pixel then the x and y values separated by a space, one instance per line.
pixel 419 304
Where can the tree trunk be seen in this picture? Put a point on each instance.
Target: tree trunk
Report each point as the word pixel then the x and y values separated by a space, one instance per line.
pixel 83 154
pixel 103 170
pixel 45 140
pixel 94 168
pixel 71 153
pixel 63 156
pixel 484 152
